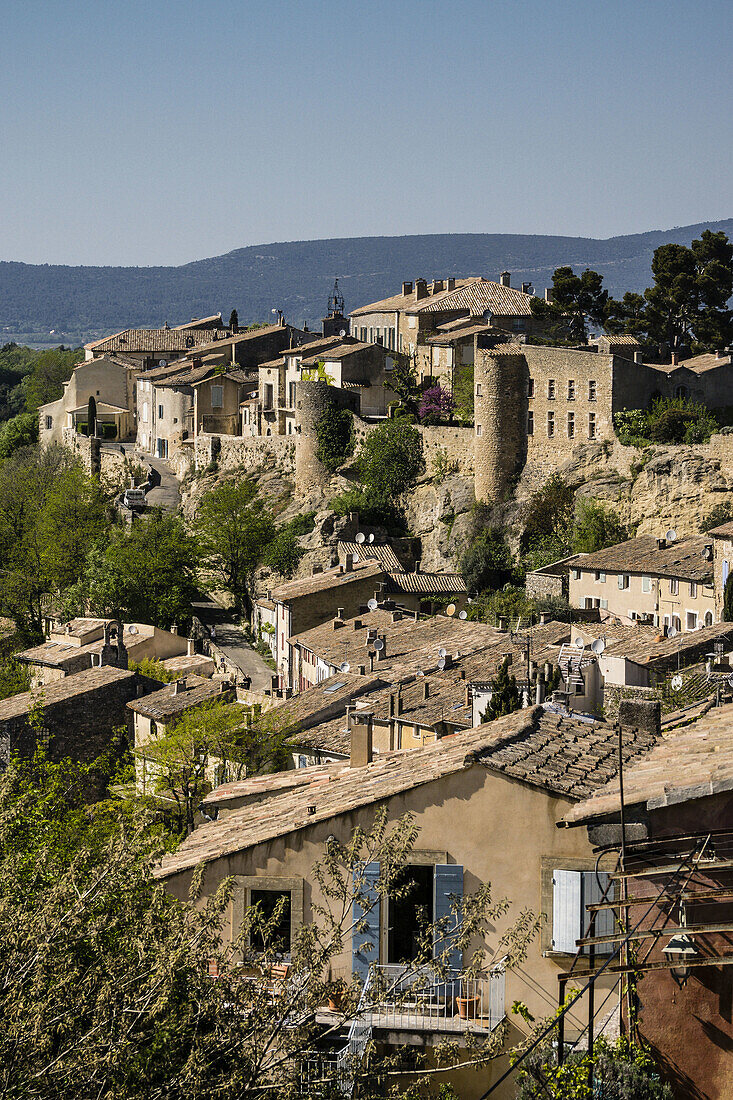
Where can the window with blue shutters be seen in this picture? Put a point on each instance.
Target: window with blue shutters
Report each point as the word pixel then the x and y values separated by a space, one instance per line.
pixel 365 934
pixel 572 891
pixel 448 891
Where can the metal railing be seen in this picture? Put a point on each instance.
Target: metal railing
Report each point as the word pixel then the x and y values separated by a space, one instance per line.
pixel 421 1000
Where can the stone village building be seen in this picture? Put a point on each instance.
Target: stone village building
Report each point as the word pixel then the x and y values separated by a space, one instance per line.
pixel 486 803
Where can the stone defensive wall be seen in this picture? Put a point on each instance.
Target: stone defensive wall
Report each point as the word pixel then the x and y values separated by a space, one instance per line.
pixel 248 452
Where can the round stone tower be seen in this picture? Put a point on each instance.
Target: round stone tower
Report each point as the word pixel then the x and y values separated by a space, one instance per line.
pixel 500 431
pixel 311 401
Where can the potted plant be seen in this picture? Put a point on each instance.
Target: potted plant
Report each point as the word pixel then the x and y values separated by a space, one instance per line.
pixel 337 995
pixel 468 1006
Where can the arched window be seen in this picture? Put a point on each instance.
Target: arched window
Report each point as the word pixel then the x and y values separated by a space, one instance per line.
pixel 681 391
pixel 708 618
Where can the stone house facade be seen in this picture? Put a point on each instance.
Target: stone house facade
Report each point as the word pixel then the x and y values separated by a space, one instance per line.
pixel 648 580
pixel 110 380
pixel 722 538
pixel 510 780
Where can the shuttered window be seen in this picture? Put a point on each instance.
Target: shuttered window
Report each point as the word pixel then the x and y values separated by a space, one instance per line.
pixel 572 891
pixel 448 890
pixel 365 934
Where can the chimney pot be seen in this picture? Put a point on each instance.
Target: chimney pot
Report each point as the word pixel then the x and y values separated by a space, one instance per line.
pixel 425 689
pixel 527 288
pixel 361 752
pixel 358 624
pixel 450 284
pixel 317 569
pixel 661 544
pixel 505 278
pixel 548 294
pixel 675 359
pixel 543 617
pixel 339 612
pixel 362 670
pixel 418 563
pixel 638 357
pixel 421 289
pixel 190 648
pixel 467 695
pixel 348 563
pixel 406 289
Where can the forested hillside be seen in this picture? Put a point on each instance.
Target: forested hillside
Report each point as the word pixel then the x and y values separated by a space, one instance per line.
pixel 78 303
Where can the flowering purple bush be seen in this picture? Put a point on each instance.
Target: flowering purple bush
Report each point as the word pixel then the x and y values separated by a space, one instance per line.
pixel 436 404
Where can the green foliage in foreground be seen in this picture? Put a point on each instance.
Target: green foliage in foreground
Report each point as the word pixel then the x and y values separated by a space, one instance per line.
pixel 335 435
pixel 14 678
pixel 20 431
pixel 621 1070
pixel 234 530
pixel 389 462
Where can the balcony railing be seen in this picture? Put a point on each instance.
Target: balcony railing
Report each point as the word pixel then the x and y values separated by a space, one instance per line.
pixel 403 999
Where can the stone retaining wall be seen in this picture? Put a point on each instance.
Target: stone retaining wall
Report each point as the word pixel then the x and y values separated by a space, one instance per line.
pixel 615 694
pixel 248 452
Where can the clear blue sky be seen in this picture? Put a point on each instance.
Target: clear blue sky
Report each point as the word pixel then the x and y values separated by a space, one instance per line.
pixel 162 131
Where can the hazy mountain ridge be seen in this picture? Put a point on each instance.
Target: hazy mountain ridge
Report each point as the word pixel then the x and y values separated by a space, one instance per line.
pixel 297 277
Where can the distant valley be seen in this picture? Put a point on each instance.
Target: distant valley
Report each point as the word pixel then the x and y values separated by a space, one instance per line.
pixel 45 305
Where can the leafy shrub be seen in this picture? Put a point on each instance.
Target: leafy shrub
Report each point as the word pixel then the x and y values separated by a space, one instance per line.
pixel 20 431
pixel 335 435
pixel 442 465
pixel 436 404
pixel 548 508
pixel 721 513
pixel 487 563
pixel 595 528
pixel 669 420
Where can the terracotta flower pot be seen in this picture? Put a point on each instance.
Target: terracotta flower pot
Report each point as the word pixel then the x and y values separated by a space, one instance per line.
pixel 336 1000
pixel 468 1007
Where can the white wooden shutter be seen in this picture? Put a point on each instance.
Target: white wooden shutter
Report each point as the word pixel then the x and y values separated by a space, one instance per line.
pixel 566 901
pixel 605 918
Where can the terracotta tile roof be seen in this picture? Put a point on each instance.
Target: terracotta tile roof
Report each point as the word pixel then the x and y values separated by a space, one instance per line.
pixel 478 297
pixel 328 579
pixel 724 531
pixel 404 301
pixel 366 551
pixel 214 320
pixel 410 643
pixel 340 351
pixel 332 737
pixel 659 652
pixel 322 343
pixel 452 335
pixel 564 756
pixel 154 339
pixel 427 583
pixel 168 703
pixel 702 363
pixel 324 700
pixel 686 764
pixel 683 559
pixel 92 679
pixel 267 784
pixel 198 663
pixel 236 338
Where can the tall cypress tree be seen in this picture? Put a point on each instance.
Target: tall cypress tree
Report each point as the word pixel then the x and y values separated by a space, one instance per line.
pixel 505 697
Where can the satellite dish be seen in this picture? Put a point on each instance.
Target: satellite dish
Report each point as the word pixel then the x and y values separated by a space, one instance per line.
pixel 579 643
pixel 132 629
pixel 372 605
pixel 730 681
pixel 450 610
pixel 378 645
pixel 676 682
pixel 671 535
pixel 342 332
pixel 162 362
pixel 598 646
pixel 672 632
pixel 345 667
pixel 421 673
pixel 441 663
pixel 360 537
pixel 462 614
pixel 371 537
pixel 442 652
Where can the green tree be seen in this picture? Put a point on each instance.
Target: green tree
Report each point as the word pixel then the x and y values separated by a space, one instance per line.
pixel 576 299
pixel 403 381
pixel 621 1071
pixel 51 512
pixel 486 563
pixel 716 517
pixel 19 431
pixel 14 678
pixel 49 372
pixel 595 528
pixel 688 302
pixel 548 509
pixel 391 459
pixel 284 551
pixel 335 435
pixel 234 321
pixel 235 530
pixel 145 573
pixel 627 316
pixel 505 697
pixel 728 600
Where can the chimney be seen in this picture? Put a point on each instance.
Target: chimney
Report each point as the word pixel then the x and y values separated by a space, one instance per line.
pixel 641 714
pixel 544 617
pixel 406 289
pixel 661 544
pixel 450 284
pixel 638 357
pixel 505 279
pixel 371 662
pixel 421 289
pixel 348 563
pixel 362 670
pixel 467 696
pixel 190 648
pixel 179 686
pixel 436 286
pixel 361 740
pixel 502 623
pixel 720 353
pixel 418 563
pixel 675 359
pixel 425 690
pixel 548 294
pixel 396 616
pixel 395 704
pixel 527 288
pixel 539 691
pixel 382 653
pixel 339 613
pixel 358 624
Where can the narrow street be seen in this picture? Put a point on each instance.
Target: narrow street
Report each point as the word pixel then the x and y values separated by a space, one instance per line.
pixel 231 641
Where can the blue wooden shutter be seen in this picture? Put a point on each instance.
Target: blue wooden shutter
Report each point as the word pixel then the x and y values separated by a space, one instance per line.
pixel 605 919
pixel 566 902
pixel 365 942
pixel 448 888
